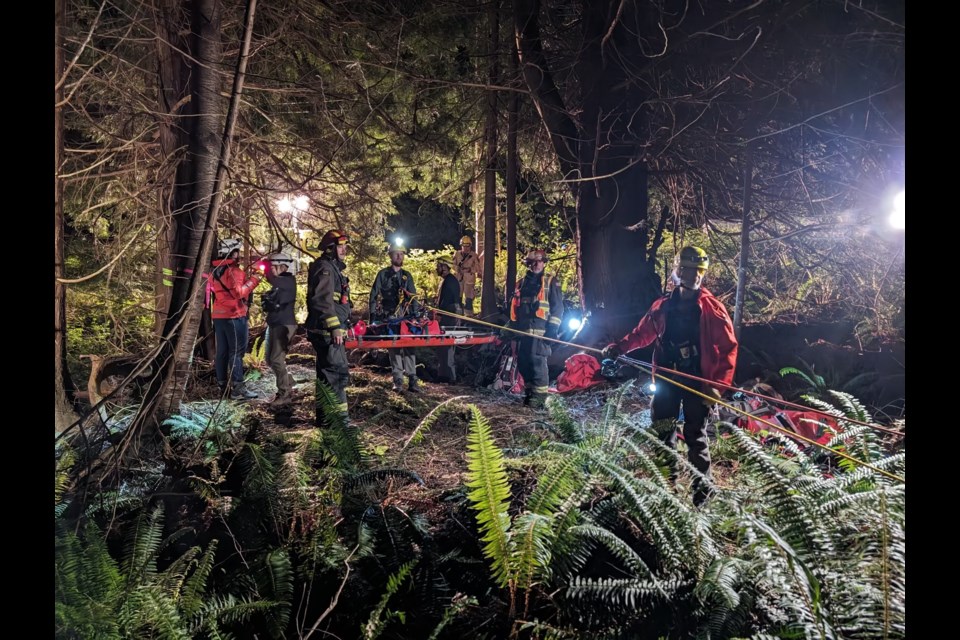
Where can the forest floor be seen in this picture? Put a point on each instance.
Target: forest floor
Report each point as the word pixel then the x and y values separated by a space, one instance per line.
pixel 387 419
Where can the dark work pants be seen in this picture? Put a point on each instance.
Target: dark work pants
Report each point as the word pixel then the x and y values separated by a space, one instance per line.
pixel 532 362
pixel 446 365
pixel 278 339
pixel 666 405
pixel 332 370
pixel 232 335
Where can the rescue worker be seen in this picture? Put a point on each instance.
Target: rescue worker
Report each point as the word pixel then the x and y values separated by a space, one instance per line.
pixel 230 310
pixel 467 267
pixel 536 308
pixel 328 315
pixel 448 299
pixel 693 334
pixel 281 322
pixel 393 296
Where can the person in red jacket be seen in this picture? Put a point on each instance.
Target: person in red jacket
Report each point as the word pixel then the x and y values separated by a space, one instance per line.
pixel 229 311
pixel 693 334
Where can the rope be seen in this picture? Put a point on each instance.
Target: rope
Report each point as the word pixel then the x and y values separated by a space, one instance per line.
pixel 791 434
pixel 645 365
pixel 649 369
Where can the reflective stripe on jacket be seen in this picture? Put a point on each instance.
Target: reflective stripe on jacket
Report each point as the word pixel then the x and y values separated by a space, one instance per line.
pixel 549 303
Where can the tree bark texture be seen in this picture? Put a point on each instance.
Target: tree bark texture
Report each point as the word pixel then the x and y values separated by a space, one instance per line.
pixel 511 179
pixel 600 152
pixel 64 411
pixel 744 241
pixel 488 295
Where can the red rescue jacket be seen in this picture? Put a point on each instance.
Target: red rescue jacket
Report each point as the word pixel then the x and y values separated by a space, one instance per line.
pixel 231 290
pixel 718 344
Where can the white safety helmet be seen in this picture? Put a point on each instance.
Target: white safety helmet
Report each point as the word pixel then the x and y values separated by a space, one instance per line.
pixel 228 246
pixel 282 258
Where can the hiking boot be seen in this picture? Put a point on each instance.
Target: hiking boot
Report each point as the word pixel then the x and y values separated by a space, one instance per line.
pixel 537 401
pixel 240 392
pixel 414 386
pixel 397 387
pixel 282 398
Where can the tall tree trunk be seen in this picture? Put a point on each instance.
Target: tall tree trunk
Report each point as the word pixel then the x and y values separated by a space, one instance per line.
pixel 488 296
pixel 203 172
pixel 63 407
pixel 744 240
pixel 601 156
pixel 511 186
pixel 199 168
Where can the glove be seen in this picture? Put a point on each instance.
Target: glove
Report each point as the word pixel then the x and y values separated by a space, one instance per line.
pixel 714 396
pixel 611 352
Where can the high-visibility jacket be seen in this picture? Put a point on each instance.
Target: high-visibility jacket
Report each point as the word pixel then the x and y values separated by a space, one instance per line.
pixel 231 290
pixel 718 344
pixel 541 311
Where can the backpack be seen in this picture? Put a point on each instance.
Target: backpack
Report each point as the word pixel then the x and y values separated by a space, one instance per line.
pixel 270 301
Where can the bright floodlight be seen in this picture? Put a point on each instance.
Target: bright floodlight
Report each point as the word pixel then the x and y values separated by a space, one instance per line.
pixel 574 323
pixel 652 387
pixel 285 205
pixel 897 218
pixel 301 203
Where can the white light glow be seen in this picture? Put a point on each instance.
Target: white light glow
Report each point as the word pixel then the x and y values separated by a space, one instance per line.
pixel 574 323
pixel 652 387
pixel 301 203
pixel 398 241
pixel 897 217
pixel 285 205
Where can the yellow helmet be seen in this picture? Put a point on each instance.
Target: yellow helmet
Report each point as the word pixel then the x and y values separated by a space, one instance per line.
pixel 466 240
pixel 693 257
pixel 395 247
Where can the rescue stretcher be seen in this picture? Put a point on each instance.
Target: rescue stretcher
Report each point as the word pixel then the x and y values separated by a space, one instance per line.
pixel 403 333
pixel 448 339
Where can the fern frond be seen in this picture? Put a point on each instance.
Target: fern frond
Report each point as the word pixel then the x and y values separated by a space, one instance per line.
pixel 171 580
pixel 561 478
pixel 564 423
pixel 416 436
pixel 621 592
pixel 458 605
pixel 274 577
pixel 149 612
pixel 489 495
pixel 376 623
pixel 191 596
pixel 815 381
pixel 621 550
pixel 340 435
pixel 789 511
pixel 531 537
pixel 636 497
pixel 367 480
pixel 139 563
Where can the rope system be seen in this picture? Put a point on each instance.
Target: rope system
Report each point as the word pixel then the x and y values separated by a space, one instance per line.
pixel 649 368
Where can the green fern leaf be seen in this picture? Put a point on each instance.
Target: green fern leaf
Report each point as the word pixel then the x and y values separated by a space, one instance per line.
pixel 489 495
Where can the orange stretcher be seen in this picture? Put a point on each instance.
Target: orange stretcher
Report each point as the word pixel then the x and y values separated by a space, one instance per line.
pixel 449 339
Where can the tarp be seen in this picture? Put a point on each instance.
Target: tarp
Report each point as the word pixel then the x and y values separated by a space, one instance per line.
pixel 580 371
pixel 809 424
